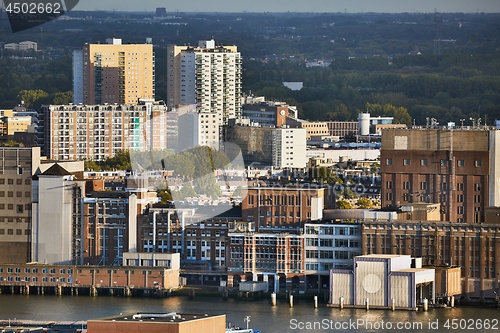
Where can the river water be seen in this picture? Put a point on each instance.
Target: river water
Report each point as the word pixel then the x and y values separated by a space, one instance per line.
pixel 303 317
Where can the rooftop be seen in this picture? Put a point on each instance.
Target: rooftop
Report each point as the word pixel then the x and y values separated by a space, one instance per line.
pixel 171 317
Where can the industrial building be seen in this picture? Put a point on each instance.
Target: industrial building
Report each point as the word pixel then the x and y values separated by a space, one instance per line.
pixel 382 281
pixel 455 167
pixel 473 247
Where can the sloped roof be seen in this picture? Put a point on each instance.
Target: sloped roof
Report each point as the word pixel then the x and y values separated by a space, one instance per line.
pixel 56 170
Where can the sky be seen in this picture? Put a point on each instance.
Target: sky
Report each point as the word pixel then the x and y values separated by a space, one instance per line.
pixel 350 6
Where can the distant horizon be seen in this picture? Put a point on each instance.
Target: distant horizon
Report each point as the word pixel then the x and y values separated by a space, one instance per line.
pixel 295 6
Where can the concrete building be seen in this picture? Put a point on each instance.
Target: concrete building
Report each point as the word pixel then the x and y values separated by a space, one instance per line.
pixel 37 278
pixel 271 114
pixel 113 73
pixel 457 168
pixel 342 128
pixel 473 247
pixel 256 143
pixel 17 165
pixel 367 123
pixel 380 280
pixel 289 148
pixel 97 132
pixel 199 129
pixel 313 128
pixel 207 76
pixel 12 124
pixel 159 323
pixel 56 228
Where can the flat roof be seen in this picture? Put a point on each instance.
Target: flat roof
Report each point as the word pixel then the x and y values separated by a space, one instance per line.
pixel 412 270
pixel 383 256
pixel 171 317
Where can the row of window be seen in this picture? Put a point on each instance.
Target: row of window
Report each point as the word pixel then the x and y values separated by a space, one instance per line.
pixel 35 279
pixel 19 232
pixel 10 181
pixel 35 270
pixel 425 162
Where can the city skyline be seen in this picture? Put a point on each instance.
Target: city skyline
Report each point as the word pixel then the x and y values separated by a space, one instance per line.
pixel 352 6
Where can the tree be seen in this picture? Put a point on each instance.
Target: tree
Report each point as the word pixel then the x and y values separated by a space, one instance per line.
pixel 61 98
pixel 364 203
pixel 30 97
pixel 344 204
pixel 238 192
pixel 165 195
pixel 347 193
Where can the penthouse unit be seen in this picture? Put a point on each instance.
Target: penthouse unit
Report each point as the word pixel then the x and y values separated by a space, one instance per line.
pixel 207 76
pixel 457 168
pixel 97 132
pixel 113 73
pixel 473 247
pixel 282 208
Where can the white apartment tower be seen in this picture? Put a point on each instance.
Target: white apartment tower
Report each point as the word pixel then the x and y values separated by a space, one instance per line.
pixel 207 76
pixel 289 148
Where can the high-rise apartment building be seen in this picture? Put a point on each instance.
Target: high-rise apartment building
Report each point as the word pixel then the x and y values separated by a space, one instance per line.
pixel 97 132
pixel 457 168
pixel 207 76
pixel 113 73
pixel 289 148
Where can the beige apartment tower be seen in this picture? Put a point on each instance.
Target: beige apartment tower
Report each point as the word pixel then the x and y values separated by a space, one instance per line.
pixel 113 73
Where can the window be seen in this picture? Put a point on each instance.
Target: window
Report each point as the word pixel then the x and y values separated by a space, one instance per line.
pixel 460 163
pixel 477 198
pixel 388 161
pixel 460 186
pixel 20 208
pixel 460 198
pixel 478 163
pixel 423 185
pixel 477 187
pixel 423 162
pixel 460 210
pixel 406 161
pixel 406 185
pixel 389 184
pixel 444 163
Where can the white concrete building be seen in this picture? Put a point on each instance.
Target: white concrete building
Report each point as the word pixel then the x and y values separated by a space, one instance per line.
pixel 56 231
pixel 383 281
pixel 96 132
pixel 330 246
pixel 199 129
pixel 207 76
pixel 289 148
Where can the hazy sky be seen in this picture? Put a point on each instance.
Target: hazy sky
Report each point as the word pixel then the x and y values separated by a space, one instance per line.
pixel 387 6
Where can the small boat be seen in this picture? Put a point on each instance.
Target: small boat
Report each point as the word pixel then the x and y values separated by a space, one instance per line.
pixel 236 329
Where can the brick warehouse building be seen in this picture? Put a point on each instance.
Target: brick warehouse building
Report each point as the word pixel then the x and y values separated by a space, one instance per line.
pixel 473 247
pixel 282 208
pixel 457 168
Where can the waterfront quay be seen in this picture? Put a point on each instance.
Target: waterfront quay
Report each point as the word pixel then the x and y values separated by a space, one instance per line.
pixel 87 280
